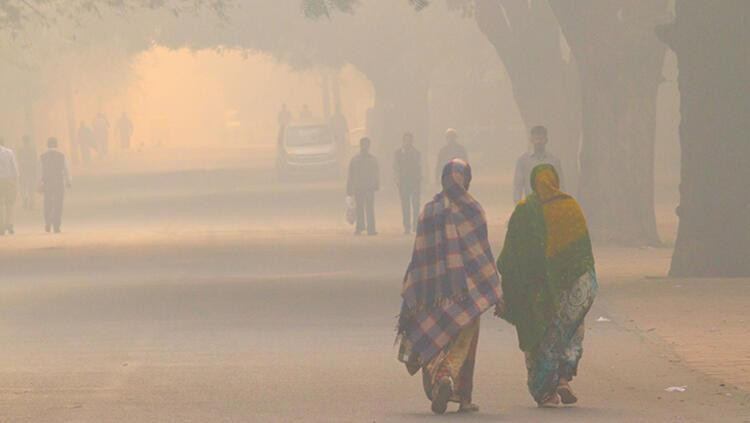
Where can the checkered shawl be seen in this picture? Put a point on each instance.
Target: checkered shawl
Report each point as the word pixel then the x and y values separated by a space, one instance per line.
pixel 452 277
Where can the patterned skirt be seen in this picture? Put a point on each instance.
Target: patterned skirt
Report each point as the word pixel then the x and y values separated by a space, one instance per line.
pixel 560 350
pixel 457 362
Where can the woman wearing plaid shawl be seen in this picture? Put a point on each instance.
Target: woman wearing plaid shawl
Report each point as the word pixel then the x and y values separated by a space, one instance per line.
pixel 549 283
pixel 450 282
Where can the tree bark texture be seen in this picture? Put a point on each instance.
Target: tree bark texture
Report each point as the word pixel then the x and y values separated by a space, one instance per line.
pixel 527 39
pixel 710 41
pixel 620 62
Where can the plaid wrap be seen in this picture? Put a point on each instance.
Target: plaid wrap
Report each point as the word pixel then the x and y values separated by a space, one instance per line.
pixel 452 277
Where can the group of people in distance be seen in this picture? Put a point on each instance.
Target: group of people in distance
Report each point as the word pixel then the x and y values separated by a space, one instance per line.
pixel 364 175
pixel 544 281
pixel 21 175
pixel 364 179
pixel 96 136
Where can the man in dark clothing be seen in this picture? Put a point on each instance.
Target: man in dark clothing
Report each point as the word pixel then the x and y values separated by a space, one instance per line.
pixel 55 178
pixel 101 134
pixel 407 166
pixel 363 181
pixel 27 170
pixel 86 141
pixel 125 131
pixel 451 150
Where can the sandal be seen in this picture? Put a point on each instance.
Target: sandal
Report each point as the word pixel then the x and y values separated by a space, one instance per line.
pixel 566 394
pixel 468 408
pixel 552 400
pixel 441 395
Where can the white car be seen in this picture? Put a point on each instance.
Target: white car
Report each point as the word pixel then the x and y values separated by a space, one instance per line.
pixel 307 149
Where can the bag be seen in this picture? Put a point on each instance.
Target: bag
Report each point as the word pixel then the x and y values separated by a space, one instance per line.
pixel 351 211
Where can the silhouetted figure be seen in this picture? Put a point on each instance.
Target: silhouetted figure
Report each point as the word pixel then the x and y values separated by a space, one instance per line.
pixel 86 142
pixel 284 117
pixel 451 150
pixel 305 113
pixel 101 134
pixel 340 130
pixel 125 131
pixel 527 162
pixel 8 188
pixel 55 178
pixel 407 167
pixel 27 169
pixel 362 182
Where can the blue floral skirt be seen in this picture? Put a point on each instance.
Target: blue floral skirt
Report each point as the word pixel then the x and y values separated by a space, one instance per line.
pixel 561 347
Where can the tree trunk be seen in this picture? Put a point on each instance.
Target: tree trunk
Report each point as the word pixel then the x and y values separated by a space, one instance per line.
pixel 401 105
pixel 545 85
pixel 709 39
pixel 71 120
pixel 620 62
pixel 617 156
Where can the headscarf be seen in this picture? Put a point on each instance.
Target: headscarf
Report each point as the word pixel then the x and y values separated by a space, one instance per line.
pixel 547 248
pixel 452 277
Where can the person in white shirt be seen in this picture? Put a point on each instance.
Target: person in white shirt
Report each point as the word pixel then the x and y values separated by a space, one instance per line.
pixel 8 188
pixel 527 163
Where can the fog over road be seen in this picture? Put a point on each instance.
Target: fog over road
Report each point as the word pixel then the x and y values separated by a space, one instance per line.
pixel 220 296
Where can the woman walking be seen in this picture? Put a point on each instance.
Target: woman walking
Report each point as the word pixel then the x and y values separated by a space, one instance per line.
pixel 450 282
pixel 549 284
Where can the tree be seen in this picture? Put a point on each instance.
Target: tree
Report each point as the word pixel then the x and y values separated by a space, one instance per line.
pixel 527 39
pixel 395 47
pixel 17 15
pixel 708 38
pixel 620 62
pixel 53 47
pixel 545 85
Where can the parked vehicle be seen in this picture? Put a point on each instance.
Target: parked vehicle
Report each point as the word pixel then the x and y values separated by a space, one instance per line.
pixel 307 149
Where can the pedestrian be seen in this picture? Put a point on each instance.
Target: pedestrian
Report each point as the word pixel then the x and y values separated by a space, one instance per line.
pixel 101 134
pixel 451 280
pixel 284 117
pixel 528 161
pixel 549 284
pixel 27 169
pixel 362 183
pixel 305 115
pixel 86 141
pixel 451 150
pixel 8 188
pixel 340 129
pixel 125 131
pixel 55 179
pixel 407 167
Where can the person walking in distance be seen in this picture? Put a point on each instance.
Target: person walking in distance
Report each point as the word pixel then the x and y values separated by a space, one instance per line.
pixel 55 179
pixel 451 150
pixel 407 167
pixel 125 131
pixel 362 182
pixel 527 162
pixel 8 188
pixel 27 170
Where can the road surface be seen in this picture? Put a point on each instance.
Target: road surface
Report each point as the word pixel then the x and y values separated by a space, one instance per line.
pixel 223 296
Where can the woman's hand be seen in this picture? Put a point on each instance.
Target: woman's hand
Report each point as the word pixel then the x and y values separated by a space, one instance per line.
pixel 500 308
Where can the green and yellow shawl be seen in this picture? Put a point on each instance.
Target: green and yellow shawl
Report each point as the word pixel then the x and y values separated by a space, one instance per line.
pixel 547 248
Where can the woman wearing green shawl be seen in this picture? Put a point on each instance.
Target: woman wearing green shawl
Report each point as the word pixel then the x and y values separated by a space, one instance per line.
pixel 549 284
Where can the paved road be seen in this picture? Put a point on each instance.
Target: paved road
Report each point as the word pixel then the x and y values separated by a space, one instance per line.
pixel 225 320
